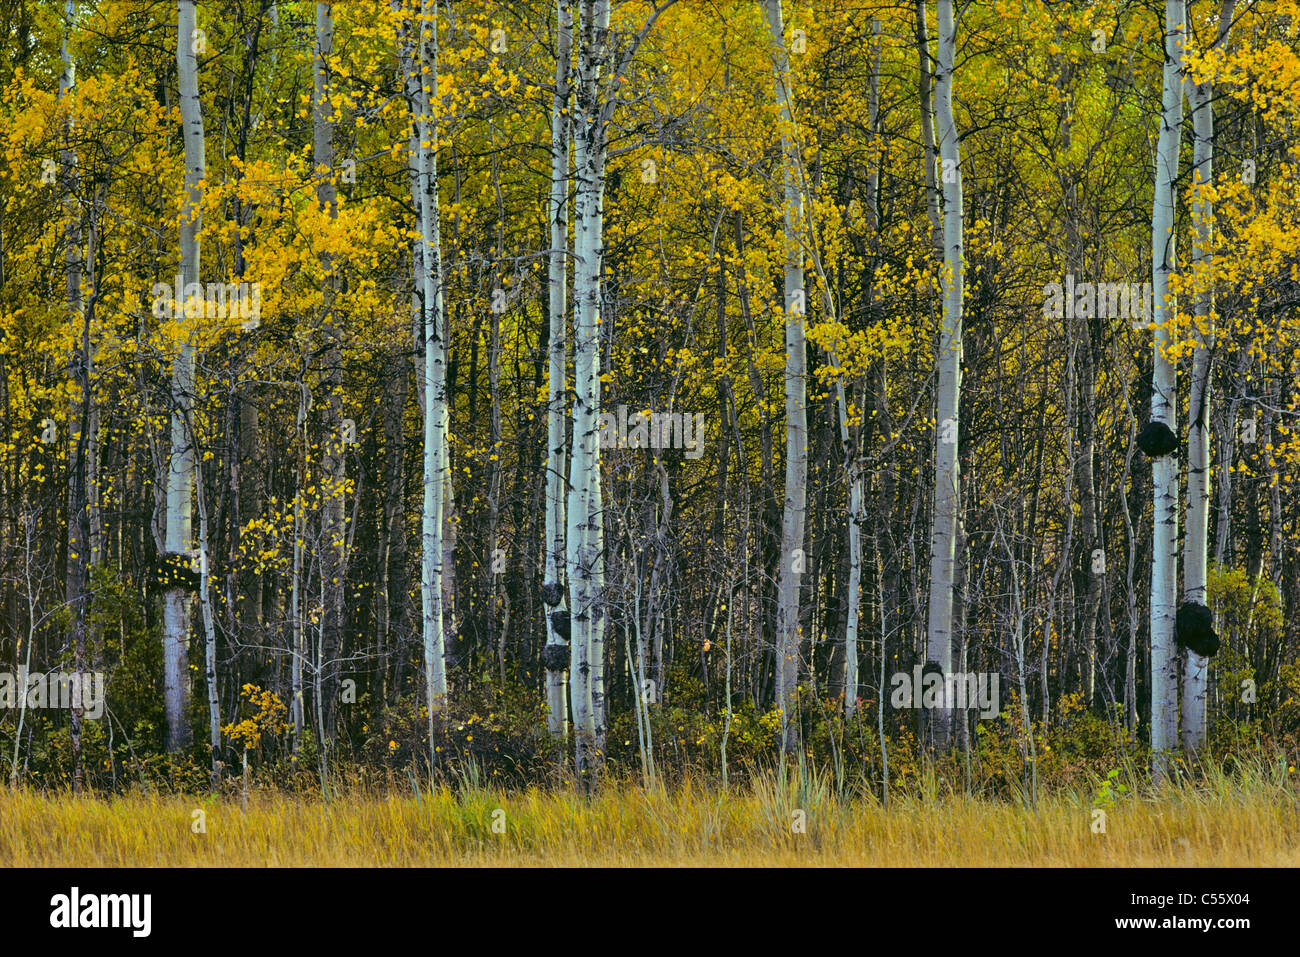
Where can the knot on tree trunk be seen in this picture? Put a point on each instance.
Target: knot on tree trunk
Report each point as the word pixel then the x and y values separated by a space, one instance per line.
pixel 1194 629
pixel 1156 439
pixel 560 622
pixel 555 657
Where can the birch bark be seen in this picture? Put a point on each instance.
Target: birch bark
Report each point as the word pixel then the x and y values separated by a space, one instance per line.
pixel 177 603
pixel 556 449
pixel 585 559
pixel 1197 541
pixel 435 381
pixel 1164 469
pixel 947 479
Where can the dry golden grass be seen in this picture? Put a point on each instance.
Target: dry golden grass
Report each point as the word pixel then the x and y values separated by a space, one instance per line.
pixel 1245 820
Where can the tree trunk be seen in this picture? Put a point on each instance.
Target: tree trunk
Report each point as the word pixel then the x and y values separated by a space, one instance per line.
pixel 1197 542
pixel 209 627
pixel 435 383
pixel 295 589
pixel 177 602
pixel 585 546
pixel 558 353
pixel 947 480
pixel 927 129
pixel 1164 405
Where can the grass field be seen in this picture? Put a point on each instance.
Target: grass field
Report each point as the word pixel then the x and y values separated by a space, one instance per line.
pixel 1250 818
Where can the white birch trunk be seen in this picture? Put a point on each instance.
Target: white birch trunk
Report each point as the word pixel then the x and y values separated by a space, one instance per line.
pixel 1164 407
pixel 558 349
pixel 177 603
pixel 927 129
pixel 585 547
pixel 1197 541
pixel 796 414
pixel 947 480
pixel 435 383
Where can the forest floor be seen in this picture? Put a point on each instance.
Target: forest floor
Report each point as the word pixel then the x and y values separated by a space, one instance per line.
pixel 1223 823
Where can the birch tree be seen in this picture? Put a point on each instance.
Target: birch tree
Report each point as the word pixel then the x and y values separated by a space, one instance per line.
pixel 585 546
pixel 209 622
pixel 924 84
pixel 557 351
pixel 947 480
pixel 1164 408
pixel 177 601
pixel 435 378
pixel 796 413
pixel 1196 543
pixel 419 64
pixel 597 80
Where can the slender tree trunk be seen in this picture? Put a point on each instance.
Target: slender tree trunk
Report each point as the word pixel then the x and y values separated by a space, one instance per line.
pixel 177 602
pixel 928 156
pixel 1197 542
pixel 1090 529
pixel 585 545
pixel 209 627
pixel 947 480
pixel 435 383
pixel 1164 405
pixel 1130 592
pixel 299 656
pixel 857 518
pixel 558 354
